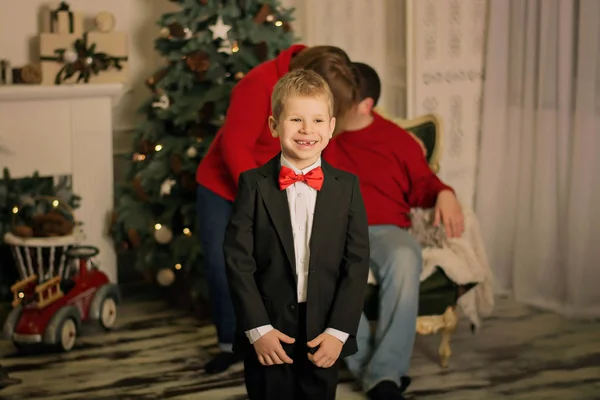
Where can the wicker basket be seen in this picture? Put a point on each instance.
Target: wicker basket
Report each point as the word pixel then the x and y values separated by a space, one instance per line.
pixel 43 257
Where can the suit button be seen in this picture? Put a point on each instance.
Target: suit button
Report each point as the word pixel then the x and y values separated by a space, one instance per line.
pixel 312 271
pixel 292 307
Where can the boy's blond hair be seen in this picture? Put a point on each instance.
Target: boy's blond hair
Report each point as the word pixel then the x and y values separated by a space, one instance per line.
pixel 300 82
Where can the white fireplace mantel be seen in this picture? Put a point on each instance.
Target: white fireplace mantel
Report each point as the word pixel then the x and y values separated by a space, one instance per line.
pixel 66 130
pixel 36 92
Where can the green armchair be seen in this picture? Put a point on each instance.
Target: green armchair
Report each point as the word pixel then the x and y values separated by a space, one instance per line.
pixel 438 294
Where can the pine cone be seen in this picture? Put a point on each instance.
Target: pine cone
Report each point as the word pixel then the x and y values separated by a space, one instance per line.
pixel 139 189
pixel 177 30
pixel 176 164
pixel 23 231
pixel 134 238
pixel 263 13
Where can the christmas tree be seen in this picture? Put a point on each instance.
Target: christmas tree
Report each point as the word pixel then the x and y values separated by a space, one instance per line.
pixel 209 45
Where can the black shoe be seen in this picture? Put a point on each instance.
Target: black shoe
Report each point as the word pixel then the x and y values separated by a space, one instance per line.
pixel 221 362
pixel 405 383
pixel 385 390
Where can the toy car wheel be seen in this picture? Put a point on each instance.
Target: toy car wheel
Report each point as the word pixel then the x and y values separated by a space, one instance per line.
pixel 67 334
pixel 108 312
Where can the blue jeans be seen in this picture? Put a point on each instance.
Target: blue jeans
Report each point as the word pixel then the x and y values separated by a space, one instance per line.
pixel 213 216
pixel 396 262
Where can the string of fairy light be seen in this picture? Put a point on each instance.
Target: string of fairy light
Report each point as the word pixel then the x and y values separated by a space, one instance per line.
pixel 15 210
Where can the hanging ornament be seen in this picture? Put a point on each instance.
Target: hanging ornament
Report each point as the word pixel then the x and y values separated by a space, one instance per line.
pixel 163 102
pixel 137 157
pixel 261 50
pixel 139 189
pixel 163 234
pixel 179 32
pixel 235 48
pixel 191 152
pixel 145 146
pixel 166 186
pixel 196 131
pixel 134 238
pixel 219 30
pixel 198 62
pixel 206 113
pixel 188 181
pixel 165 277
pixel 225 47
pixel 176 164
pixel 165 32
pixel 239 75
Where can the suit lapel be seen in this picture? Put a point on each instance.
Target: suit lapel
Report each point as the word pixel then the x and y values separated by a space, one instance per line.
pixel 277 206
pixel 329 195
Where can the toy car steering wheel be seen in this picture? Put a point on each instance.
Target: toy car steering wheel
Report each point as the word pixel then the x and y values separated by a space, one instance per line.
pixel 82 251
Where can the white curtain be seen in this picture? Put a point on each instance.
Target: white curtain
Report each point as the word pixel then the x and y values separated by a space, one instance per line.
pixel 538 187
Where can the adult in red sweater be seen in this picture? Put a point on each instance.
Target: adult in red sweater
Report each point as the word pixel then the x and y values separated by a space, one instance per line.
pixel 394 177
pixel 243 143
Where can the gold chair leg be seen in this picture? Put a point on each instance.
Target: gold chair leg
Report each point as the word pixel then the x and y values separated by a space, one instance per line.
pixel 450 322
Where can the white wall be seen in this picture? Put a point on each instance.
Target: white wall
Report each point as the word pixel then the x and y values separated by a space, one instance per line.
pixel 446 68
pixel 370 31
pixel 20 22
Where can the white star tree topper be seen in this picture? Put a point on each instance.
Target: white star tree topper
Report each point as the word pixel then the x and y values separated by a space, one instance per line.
pixel 219 30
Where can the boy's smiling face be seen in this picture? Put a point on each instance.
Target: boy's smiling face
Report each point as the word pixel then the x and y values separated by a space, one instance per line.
pixel 304 129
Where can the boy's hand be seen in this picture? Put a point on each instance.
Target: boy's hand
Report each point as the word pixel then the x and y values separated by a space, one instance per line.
pixel 268 348
pixel 329 350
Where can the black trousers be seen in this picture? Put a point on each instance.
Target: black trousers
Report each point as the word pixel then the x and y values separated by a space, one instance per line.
pixel 301 380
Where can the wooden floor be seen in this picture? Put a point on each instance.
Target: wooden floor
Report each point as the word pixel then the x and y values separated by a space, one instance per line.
pixel 158 353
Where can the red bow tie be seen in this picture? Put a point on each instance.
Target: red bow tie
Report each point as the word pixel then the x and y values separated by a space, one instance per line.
pixel 287 177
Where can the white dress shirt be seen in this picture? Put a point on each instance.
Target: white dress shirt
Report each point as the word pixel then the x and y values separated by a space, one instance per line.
pixel 301 200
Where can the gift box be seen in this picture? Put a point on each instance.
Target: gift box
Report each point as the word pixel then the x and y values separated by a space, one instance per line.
pixel 114 44
pixel 63 20
pixel 56 50
pixel 91 58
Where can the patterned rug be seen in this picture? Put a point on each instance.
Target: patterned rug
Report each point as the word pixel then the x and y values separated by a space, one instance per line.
pixel 158 353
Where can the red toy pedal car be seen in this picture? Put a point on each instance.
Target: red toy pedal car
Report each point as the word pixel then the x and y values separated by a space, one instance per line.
pixel 50 312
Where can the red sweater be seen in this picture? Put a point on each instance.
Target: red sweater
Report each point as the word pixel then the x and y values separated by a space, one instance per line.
pixel 245 142
pixel 393 174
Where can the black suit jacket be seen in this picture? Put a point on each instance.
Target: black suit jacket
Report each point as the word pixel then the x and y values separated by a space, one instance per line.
pixel 260 257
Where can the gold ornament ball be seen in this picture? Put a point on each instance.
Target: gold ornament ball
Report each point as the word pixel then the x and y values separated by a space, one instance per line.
pixel 239 75
pixel 165 32
pixel 165 277
pixel 163 235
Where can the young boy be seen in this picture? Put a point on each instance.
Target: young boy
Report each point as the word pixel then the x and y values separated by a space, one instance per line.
pixel 297 253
